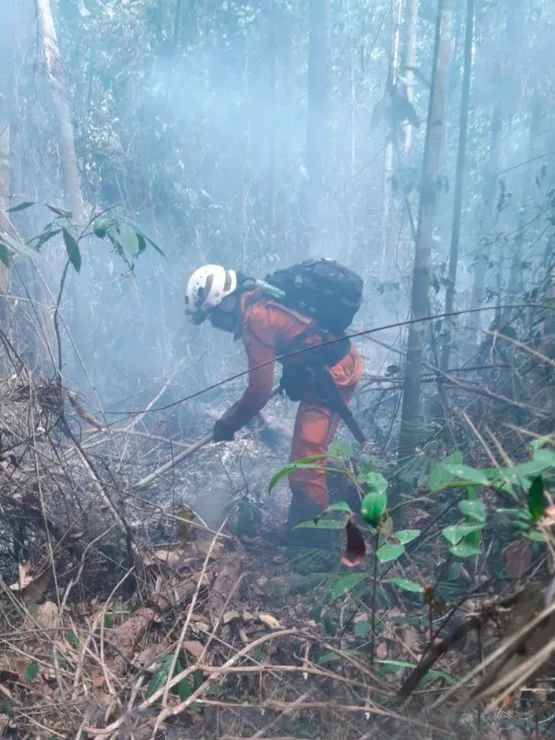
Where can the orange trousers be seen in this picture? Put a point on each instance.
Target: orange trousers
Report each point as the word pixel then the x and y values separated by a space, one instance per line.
pixel 315 428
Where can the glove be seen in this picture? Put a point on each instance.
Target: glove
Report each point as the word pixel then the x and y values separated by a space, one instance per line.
pixel 225 428
pixel 223 431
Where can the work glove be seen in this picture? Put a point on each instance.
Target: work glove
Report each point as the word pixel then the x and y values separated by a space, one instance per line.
pixel 225 428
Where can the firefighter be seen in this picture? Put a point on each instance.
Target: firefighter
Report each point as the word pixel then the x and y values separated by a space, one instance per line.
pixel 234 304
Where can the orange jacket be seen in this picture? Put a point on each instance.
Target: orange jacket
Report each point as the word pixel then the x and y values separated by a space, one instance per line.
pixel 265 325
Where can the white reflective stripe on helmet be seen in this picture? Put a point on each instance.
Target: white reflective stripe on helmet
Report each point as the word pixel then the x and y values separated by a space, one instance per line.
pixel 208 286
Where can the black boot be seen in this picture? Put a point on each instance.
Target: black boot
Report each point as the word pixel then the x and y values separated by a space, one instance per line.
pixel 302 509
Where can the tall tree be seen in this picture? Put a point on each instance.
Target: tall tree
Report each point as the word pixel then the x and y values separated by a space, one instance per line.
pixel 410 58
pixel 486 219
pixel 459 179
pixel 316 120
pixel 426 218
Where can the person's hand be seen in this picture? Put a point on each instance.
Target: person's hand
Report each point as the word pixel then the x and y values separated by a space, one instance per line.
pixel 231 422
pixel 224 431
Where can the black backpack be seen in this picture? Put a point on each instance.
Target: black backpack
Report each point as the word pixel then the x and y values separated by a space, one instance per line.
pixel 322 289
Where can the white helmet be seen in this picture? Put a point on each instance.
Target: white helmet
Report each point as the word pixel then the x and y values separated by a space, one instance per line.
pixel 207 287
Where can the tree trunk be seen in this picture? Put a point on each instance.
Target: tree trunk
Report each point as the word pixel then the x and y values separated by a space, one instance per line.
pixel 427 208
pixel 411 31
pixel 515 273
pixel 70 172
pixel 459 180
pixel 316 122
pixel 73 201
pixel 485 220
pixel 392 131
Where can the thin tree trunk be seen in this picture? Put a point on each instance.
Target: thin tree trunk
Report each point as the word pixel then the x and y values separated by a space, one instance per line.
pixel 427 208
pixel 459 179
pixel 272 82
pixel 73 201
pixel 388 200
pixel 515 272
pixel 70 172
pixel 411 31
pixel 316 121
pixel 485 220
pixel 4 224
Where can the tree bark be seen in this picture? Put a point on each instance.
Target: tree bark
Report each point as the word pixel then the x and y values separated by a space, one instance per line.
pixel 427 208
pixel 316 122
pixel 73 201
pixel 68 158
pixel 411 31
pixel 459 180
pixel 485 220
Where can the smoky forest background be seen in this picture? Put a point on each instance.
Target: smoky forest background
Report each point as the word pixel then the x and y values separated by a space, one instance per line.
pixel 411 140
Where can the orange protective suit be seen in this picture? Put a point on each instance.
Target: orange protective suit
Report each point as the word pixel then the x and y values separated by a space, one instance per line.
pixel 265 325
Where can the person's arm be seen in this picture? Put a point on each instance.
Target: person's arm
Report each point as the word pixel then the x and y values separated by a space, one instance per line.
pixel 259 341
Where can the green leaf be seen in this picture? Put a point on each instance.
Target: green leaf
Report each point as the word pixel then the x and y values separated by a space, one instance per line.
pixel 431 675
pixel 46 236
pixel 21 206
pixel 321 524
pixel 387 553
pixel 339 506
pixel 407 535
pixel 341 451
pixel 373 506
pixel 465 550
pixel 329 625
pixel 347 583
pixel 4 255
pixel 17 246
pixel 305 463
pixel 375 482
pixel 473 510
pixel 406 585
pixel 361 629
pixel 59 211
pixel 535 535
pixel 545 457
pixel 396 664
pixel 536 499
pixel 366 468
pixel 32 669
pixel 328 658
pixel 466 473
pixel 541 441
pixel 456 532
pixel 72 638
pixel 108 622
pixel 128 238
pixel 72 249
pixel 158 680
pixel 439 477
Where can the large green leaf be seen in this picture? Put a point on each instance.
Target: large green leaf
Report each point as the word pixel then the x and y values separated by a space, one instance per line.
pixel 407 535
pixel 545 457
pixel 306 463
pixel 159 679
pixel 466 473
pixel 536 499
pixel 347 583
pixel 72 249
pixel 455 532
pixel 407 585
pixel 321 524
pixel 439 477
pixel 375 481
pixel 128 238
pixel 473 510
pixel 465 550
pixel 373 506
pixel 387 553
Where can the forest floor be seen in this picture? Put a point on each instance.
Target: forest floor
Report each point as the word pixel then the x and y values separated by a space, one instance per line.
pixel 168 613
